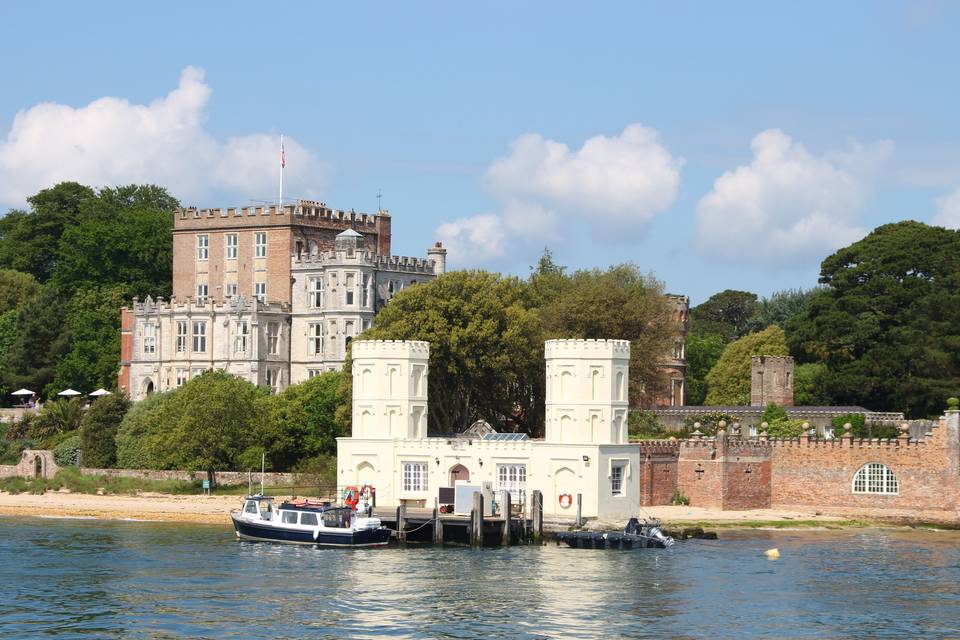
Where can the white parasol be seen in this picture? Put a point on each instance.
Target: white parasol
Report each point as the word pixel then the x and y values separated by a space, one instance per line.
pixel 100 392
pixel 22 392
pixel 69 392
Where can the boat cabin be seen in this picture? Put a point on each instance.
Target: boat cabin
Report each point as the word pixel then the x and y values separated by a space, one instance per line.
pixel 258 507
pixel 313 515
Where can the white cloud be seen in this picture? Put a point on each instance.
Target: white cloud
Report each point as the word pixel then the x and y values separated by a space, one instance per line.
pixel 788 205
pixel 616 184
pixel 111 141
pixel 949 213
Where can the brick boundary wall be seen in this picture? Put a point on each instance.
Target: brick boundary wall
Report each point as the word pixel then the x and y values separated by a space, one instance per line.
pixel 736 474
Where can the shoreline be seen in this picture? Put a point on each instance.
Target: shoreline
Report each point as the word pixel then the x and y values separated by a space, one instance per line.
pixel 215 509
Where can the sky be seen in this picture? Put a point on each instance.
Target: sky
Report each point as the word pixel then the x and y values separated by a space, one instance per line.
pixel 716 145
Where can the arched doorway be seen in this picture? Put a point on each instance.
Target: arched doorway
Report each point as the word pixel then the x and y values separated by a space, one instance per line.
pixel 366 474
pixel 147 386
pixel 37 467
pixel 458 472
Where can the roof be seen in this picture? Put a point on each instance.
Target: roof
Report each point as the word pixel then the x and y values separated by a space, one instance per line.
pixel 505 437
pixel 349 233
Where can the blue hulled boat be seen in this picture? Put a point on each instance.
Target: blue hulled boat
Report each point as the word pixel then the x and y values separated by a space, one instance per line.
pixel 307 522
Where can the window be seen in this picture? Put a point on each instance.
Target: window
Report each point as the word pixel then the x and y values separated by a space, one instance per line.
pixel 231 246
pixel 260 291
pixel 316 292
pixel 273 338
pixel 202 291
pixel 364 292
pixel 678 350
pixel 348 328
pixel 366 325
pixel 182 376
pixel 313 373
pixel 273 379
pixel 309 519
pixel 198 372
pixel 316 338
pixel 349 288
pixel 260 244
pixel 149 338
pixel 251 507
pixel 199 336
pixel 243 331
pixel 203 247
pixel 874 477
pixel 288 517
pixel 414 476
pixel 616 479
pixel 513 478
pixel 231 290
pixel 333 327
pixel 181 336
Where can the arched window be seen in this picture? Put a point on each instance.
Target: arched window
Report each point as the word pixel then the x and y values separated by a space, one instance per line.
pixel 874 477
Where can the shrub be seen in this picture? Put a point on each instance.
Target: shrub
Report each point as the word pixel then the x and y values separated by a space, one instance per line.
pixel 679 499
pixel 57 416
pixel 13 449
pixel 708 422
pixel 785 428
pixel 318 471
pixel 66 454
pixel 98 430
pixel 773 413
pixel 953 403
pixel 644 425
pixel 20 429
pixel 131 438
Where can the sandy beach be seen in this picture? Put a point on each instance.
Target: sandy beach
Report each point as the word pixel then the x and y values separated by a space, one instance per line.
pixel 216 509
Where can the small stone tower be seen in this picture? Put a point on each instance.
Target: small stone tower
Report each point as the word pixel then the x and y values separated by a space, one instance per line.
pixel 771 380
pixel 390 389
pixel 439 256
pixel 586 399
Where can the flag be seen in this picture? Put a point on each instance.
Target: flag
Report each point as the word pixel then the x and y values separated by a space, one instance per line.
pixel 283 158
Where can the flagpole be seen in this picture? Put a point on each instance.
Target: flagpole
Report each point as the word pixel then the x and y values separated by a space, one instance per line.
pixel 282 162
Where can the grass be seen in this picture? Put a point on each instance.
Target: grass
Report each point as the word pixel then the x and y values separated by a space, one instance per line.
pixel 72 480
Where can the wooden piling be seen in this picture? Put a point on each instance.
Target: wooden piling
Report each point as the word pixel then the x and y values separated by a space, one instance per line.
pixel 476 520
pixel 537 516
pixel 579 509
pixel 437 526
pixel 402 523
pixel 505 534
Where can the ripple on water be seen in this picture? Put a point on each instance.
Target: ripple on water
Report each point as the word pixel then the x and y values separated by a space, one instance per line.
pixel 115 579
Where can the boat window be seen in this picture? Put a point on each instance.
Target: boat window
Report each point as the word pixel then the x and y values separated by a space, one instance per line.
pixel 332 518
pixel 308 518
pixel 288 517
pixel 251 507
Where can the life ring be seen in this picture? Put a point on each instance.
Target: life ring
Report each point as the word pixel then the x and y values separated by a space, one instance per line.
pixel 566 500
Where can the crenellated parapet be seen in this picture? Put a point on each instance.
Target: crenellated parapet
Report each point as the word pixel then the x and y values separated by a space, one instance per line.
pixel 404 264
pixel 240 304
pixel 302 212
pixel 577 348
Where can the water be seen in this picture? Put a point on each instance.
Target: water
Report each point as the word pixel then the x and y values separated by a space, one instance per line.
pixel 99 579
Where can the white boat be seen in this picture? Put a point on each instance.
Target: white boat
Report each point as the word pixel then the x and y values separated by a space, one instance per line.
pixel 307 522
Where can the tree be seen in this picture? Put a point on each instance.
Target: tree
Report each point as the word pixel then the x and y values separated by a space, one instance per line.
pixel 547 281
pixel 885 324
pixel 809 388
pixel 28 240
pixel 729 380
pixel 780 308
pixel 703 351
pixel 92 329
pixel 300 422
pixel 16 288
pixel 57 416
pixel 122 239
pixel 98 430
pixel 143 418
pixel 619 303
pixel 39 341
pixel 727 314
pixel 486 349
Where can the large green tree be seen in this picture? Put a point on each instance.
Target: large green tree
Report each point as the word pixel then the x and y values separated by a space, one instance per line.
pixel 703 351
pixel 886 324
pixel 727 314
pixel 16 287
pixel 486 348
pixel 92 328
pixel 619 303
pixel 98 430
pixel 39 341
pixel 780 307
pixel 728 382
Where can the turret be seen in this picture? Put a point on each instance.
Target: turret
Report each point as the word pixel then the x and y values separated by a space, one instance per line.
pixel 439 256
pixel 390 388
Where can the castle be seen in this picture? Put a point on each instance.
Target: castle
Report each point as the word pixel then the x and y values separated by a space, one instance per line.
pixel 272 294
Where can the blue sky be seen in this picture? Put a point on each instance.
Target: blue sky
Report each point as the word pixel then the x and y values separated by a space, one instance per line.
pixel 716 145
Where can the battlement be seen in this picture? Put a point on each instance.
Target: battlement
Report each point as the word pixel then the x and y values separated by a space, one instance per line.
pixel 405 264
pixel 772 359
pixel 658 447
pixel 241 304
pixel 413 349
pixel 303 212
pixel 576 348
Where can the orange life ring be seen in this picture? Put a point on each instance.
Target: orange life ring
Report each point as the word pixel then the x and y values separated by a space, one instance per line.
pixel 565 500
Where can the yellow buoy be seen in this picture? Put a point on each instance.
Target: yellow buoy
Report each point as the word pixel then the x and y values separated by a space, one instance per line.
pixel 772 553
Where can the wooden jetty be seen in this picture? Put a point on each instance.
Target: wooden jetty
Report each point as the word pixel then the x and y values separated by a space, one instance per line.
pixel 411 524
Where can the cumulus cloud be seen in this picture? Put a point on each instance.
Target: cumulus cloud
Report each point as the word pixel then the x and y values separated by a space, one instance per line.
pixel 788 205
pixel 617 184
pixel 949 213
pixel 112 141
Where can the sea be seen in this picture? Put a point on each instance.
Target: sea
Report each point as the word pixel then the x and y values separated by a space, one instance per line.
pixel 85 578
